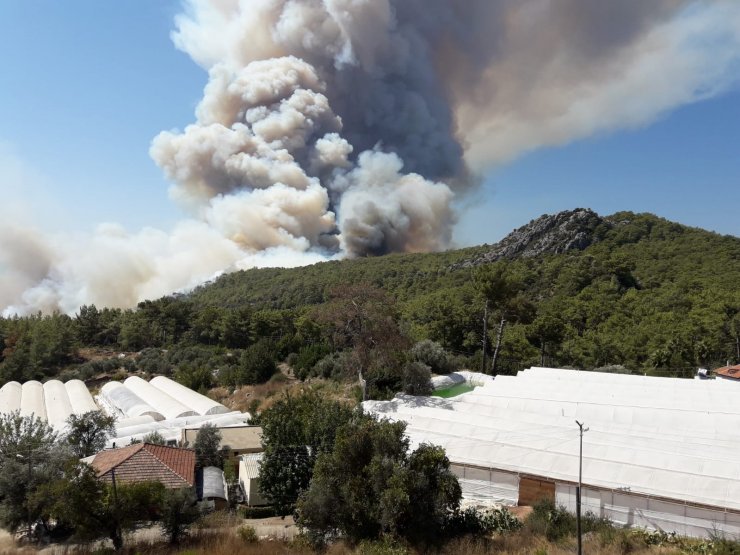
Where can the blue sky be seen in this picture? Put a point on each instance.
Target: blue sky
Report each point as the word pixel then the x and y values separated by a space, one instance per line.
pixel 86 86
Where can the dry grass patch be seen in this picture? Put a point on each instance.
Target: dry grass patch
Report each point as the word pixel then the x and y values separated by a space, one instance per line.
pixel 262 396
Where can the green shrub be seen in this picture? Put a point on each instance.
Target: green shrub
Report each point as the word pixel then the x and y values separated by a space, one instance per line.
pixel 307 358
pixel 336 366
pixel 721 545
pixel 417 379
pixel 479 523
pixel 247 534
pixel 433 355
pixel 385 546
pixel 555 523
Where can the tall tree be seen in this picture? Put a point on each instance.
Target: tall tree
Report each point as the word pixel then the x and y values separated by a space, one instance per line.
pixel 97 509
pixel 369 485
pixel 502 288
pixel 88 324
pixel 178 512
pixel 295 430
pixel 208 447
pixel 364 319
pixel 546 329
pixel 29 457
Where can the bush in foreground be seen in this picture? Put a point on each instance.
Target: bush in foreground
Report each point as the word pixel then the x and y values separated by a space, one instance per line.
pixel 370 487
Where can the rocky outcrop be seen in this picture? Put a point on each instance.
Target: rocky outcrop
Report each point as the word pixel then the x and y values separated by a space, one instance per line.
pixel 549 234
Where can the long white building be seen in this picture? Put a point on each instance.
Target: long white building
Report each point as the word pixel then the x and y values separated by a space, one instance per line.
pixel 660 453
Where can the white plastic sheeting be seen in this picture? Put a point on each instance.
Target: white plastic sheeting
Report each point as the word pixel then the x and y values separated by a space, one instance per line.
pixel 214 483
pixel 32 400
pixel 53 401
pixel 171 430
pixel 626 509
pixel 487 486
pixel 79 397
pixel 123 423
pixel 199 403
pixel 667 463
pixel 165 404
pixel 459 377
pixel 10 397
pixel 56 401
pixel 128 403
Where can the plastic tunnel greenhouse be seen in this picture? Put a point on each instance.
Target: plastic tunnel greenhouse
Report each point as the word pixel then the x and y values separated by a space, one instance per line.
pixel 660 453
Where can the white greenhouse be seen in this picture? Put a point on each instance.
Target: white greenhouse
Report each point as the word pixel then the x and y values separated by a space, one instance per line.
pixel 120 400
pixel 166 405
pixel 56 401
pixel 32 400
pixel 140 408
pixel 199 403
pixel 660 453
pixel 10 397
pixel 79 397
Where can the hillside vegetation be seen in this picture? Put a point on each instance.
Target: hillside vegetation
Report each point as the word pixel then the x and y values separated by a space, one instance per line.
pixel 632 292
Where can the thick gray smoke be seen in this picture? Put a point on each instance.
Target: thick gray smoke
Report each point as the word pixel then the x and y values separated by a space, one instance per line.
pixel 333 128
pixel 267 165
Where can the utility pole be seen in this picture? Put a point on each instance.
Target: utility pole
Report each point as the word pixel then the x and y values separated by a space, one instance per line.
pixel 485 338
pixel 578 490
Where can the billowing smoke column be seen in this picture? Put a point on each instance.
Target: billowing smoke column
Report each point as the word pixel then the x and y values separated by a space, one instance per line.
pixel 333 128
pixel 266 165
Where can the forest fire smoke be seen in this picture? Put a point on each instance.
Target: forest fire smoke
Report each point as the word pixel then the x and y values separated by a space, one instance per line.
pixel 342 128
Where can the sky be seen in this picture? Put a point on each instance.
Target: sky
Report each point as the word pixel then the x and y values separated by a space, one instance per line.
pixel 87 85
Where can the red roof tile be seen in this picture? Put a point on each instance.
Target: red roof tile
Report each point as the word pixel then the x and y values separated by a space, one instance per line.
pixel 172 466
pixel 732 372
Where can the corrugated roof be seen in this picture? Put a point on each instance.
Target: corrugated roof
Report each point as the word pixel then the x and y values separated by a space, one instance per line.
pixel 252 465
pixel 172 466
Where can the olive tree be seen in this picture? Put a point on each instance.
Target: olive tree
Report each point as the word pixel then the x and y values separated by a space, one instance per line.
pixel 369 486
pixel 89 432
pixel 30 456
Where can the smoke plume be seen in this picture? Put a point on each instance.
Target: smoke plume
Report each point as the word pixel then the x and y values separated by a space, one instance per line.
pixel 333 128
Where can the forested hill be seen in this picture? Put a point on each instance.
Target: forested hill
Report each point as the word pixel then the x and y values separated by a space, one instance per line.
pixel 404 275
pixel 572 289
pixel 654 251
pixel 629 289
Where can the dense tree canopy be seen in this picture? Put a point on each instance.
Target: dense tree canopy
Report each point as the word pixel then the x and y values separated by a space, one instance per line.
pixel 30 456
pixel 295 430
pixel 369 485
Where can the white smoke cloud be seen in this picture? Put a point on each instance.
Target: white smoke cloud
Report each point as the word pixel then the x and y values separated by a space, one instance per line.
pixel 332 128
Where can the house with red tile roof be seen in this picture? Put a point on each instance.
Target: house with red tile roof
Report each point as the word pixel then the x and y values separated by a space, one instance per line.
pixel 728 372
pixel 172 466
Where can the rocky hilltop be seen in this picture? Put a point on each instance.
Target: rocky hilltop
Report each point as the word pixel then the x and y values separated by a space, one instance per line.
pixel 549 234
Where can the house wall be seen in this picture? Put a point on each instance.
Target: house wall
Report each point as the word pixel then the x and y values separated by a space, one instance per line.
pixel 254 496
pixel 250 487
